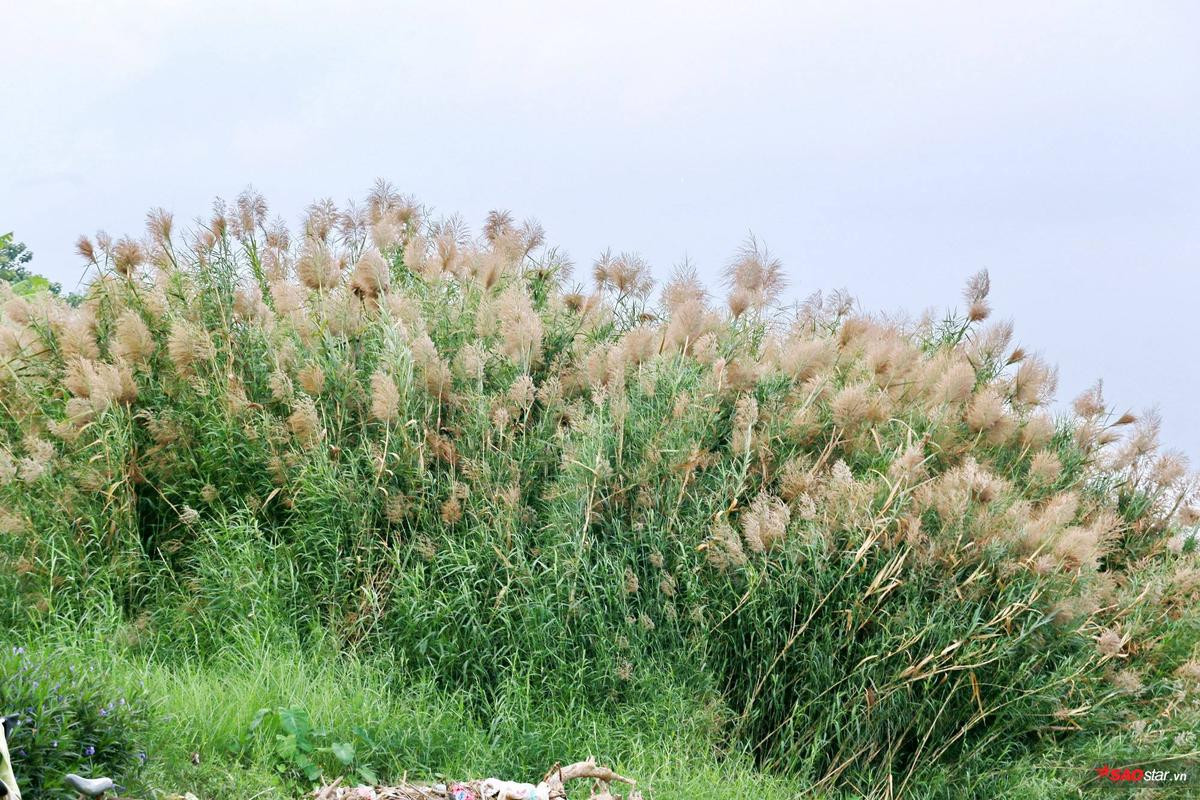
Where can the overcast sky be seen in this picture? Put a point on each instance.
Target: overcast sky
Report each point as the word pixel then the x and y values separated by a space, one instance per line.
pixel 890 148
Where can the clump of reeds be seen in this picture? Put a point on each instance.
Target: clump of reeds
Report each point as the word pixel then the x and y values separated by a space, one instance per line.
pixel 868 537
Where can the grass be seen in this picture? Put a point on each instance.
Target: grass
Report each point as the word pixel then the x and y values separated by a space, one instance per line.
pixel 204 737
pixel 390 500
pixel 672 745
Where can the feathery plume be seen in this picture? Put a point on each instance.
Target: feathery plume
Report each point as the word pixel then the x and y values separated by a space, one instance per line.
pixel 802 358
pixel 132 340
pixel 723 549
pixel 683 287
pixel 765 523
pixel 1090 404
pixel 1127 681
pixel 470 362
pixel 1053 517
pixel 287 297
pixel 311 378
pixel 320 219
pixel 1034 383
pixel 498 225
pixel 909 467
pixel 1189 673
pixel 250 214
pixel 77 336
pixel 986 415
pixel 128 255
pixel 385 397
pixel 8 466
pixel 316 267
pixel 1044 468
pixel 796 478
pixel 689 322
pixel 248 306
pixel 853 405
pixel 1082 547
pixel 975 293
pixel 1037 431
pixel 520 326
pixel 85 248
pixel 371 275
pixel 1110 643
pixel 451 511
pixel 755 277
pixel 159 224
pixel 745 416
pixel 305 422
pixel 626 274
pixel 36 463
pixel 189 344
pixel 639 344
pixel 521 393
pixel 955 384
pixel 631 583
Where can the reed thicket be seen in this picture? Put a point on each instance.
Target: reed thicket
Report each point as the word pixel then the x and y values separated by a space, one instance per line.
pixel 863 545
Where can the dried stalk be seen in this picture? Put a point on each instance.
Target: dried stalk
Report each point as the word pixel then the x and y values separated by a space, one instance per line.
pixel 551 787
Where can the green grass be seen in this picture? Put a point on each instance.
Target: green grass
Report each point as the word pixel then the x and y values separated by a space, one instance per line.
pixel 418 730
pixel 673 745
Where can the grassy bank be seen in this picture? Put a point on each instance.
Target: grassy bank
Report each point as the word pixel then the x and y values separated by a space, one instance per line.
pixel 204 734
pixel 204 738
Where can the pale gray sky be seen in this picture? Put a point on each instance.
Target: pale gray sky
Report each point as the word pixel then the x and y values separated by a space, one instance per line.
pixel 891 148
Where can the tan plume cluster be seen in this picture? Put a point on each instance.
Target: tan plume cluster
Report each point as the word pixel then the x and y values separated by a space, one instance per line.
pixel 755 278
pixel 976 294
pixel 626 274
pixel 723 548
pixel 188 346
pixel 385 397
pixel 764 524
pixel 520 326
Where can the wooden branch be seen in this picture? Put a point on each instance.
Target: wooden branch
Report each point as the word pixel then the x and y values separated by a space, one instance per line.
pixel 558 775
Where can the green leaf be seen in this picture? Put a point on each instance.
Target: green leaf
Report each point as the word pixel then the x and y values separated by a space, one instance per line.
pixel 286 746
pixel 308 767
pixel 259 716
pixel 368 776
pixel 235 745
pixel 295 721
pixel 364 735
pixel 343 752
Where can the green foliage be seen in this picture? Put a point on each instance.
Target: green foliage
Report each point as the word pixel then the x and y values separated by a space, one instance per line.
pixel 14 256
pixel 296 746
pixel 71 717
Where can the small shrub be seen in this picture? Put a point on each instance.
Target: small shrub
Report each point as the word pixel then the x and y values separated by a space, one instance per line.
pixel 298 750
pixel 69 719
